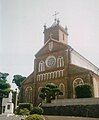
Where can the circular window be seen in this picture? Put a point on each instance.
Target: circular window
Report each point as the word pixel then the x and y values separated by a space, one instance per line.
pixel 50 61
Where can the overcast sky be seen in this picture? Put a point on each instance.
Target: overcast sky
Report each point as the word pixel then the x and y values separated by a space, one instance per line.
pixel 21 30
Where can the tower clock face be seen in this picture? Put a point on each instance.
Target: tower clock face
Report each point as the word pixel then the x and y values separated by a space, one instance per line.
pixel 50 61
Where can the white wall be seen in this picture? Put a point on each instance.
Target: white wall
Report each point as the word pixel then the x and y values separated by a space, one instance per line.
pixel 96 86
pixel 80 61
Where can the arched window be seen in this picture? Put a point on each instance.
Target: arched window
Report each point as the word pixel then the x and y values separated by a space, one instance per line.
pixel 76 82
pixel 60 62
pixel 28 94
pixel 39 90
pixel 41 66
pixel 62 88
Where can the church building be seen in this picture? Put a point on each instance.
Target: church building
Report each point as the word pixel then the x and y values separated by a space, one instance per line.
pixel 57 62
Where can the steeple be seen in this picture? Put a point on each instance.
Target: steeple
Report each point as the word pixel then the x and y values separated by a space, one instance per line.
pixel 58 32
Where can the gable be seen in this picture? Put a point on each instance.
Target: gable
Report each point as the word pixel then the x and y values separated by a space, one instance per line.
pixel 29 79
pixel 51 46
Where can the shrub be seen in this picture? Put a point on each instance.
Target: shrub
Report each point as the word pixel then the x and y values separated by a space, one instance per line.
pixel 29 106
pixel 24 111
pixel 17 110
pixel 83 91
pixel 73 110
pixel 35 117
pixel 37 110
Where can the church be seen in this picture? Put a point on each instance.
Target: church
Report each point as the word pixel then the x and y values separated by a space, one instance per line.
pixel 57 62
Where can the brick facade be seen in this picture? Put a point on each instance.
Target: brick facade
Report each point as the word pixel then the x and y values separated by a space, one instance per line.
pixel 52 64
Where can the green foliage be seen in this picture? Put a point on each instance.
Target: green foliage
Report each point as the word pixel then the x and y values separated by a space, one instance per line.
pixel 17 110
pixel 49 92
pixel 3 76
pixel 24 111
pixel 29 106
pixel 35 117
pixel 18 79
pixel 37 110
pixel 4 87
pixel 83 91
pixel 73 110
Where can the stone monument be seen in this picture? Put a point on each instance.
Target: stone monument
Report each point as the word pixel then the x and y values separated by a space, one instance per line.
pixel 7 105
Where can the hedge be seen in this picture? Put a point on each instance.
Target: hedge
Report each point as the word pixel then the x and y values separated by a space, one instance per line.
pixel 29 106
pixel 73 110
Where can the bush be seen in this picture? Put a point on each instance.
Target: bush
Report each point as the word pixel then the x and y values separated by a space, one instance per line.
pixel 73 110
pixel 37 110
pixel 24 111
pixel 83 91
pixel 35 117
pixel 17 110
pixel 29 106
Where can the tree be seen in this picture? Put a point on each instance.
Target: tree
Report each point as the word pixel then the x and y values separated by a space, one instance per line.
pixel 18 79
pixel 49 92
pixel 83 91
pixel 4 87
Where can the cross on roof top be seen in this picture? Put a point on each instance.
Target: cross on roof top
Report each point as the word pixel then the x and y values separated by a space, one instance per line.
pixel 55 15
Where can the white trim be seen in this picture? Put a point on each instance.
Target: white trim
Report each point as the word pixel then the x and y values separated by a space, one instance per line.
pixel 81 82
pixel 60 61
pixel 62 84
pixel 50 75
pixel 41 66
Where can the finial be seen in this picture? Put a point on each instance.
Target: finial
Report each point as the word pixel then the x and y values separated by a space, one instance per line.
pixel 66 29
pixel 44 26
pixel 58 21
pixel 55 15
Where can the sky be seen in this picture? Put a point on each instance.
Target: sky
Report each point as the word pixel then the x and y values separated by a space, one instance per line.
pixel 21 30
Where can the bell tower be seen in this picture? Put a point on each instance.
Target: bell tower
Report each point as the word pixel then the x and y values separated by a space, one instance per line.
pixel 57 31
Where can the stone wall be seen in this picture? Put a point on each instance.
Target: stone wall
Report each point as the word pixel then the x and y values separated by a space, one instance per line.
pixel 80 101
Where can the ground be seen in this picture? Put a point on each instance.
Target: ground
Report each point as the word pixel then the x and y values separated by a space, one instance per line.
pixel 14 117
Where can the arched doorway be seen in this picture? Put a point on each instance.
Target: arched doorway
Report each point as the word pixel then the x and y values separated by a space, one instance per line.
pixel 76 82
